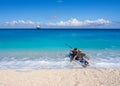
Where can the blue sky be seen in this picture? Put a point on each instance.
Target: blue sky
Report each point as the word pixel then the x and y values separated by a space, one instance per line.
pixel 60 13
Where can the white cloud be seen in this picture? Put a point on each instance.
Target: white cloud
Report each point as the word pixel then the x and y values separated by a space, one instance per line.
pixel 73 22
pixel 20 22
pixel 76 22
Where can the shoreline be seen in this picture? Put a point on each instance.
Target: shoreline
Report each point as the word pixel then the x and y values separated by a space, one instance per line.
pixel 60 77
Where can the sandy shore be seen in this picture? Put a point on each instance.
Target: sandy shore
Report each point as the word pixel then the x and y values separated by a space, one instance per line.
pixel 61 77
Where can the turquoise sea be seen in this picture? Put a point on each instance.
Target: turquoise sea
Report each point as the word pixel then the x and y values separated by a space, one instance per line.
pixel 48 48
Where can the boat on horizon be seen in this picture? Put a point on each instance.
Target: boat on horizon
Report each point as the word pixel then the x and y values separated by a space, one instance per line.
pixel 38 27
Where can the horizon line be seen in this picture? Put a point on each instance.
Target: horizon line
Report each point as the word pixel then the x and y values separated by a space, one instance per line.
pixel 54 28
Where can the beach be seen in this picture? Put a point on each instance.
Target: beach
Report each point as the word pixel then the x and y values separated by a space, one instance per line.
pixel 37 59
pixel 61 77
pixel 59 42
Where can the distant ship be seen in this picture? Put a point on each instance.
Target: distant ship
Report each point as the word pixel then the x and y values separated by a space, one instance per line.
pixel 38 27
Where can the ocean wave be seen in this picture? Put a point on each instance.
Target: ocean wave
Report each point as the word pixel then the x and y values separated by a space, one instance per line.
pixel 56 60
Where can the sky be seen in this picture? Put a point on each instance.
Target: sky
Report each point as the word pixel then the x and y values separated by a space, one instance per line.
pixel 60 13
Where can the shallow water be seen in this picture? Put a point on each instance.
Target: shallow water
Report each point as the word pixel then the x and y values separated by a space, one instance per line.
pixel 48 49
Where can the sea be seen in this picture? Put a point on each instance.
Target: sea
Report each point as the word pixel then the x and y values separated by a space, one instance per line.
pixel 49 48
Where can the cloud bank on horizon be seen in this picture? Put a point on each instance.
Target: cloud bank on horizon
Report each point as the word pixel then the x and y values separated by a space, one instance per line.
pixel 76 22
pixel 73 22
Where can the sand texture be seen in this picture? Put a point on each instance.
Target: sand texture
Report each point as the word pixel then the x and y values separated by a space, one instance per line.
pixel 61 77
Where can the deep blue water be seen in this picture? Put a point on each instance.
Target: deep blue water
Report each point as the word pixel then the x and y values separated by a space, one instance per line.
pixel 48 48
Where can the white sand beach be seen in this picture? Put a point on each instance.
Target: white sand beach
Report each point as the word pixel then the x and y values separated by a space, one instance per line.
pixel 61 77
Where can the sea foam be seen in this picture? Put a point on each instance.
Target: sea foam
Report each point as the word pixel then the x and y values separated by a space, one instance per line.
pixel 56 60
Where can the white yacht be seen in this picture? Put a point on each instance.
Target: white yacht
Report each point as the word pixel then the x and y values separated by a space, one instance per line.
pixel 38 27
